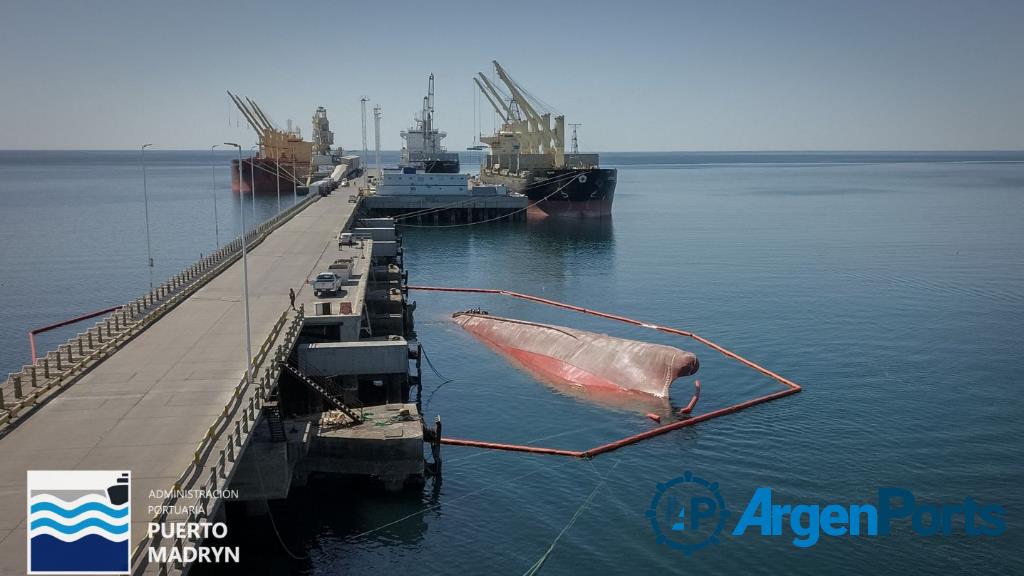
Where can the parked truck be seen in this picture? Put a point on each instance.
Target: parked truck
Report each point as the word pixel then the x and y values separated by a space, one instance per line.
pixel 327 283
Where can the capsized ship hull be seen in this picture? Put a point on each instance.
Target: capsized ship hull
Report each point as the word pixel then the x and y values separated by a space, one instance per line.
pixel 580 358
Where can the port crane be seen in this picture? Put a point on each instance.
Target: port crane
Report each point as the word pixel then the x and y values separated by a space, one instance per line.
pixel 532 128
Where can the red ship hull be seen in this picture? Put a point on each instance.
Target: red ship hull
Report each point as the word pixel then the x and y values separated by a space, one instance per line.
pixel 267 176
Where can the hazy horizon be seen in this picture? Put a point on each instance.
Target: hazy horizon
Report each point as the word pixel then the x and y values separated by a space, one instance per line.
pixel 658 77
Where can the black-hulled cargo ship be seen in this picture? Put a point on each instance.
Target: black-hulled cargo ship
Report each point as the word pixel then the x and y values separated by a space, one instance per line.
pixel 423 149
pixel 528 156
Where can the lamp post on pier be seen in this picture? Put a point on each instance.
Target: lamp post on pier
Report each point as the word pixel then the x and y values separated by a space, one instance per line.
pixel 213 184
pixel 245 271
pixel 252 187
pixel 145 200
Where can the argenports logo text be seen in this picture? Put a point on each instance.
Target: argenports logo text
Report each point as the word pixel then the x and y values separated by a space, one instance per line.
pixel 689 513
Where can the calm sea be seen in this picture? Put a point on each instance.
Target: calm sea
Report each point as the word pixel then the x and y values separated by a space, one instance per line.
pixel 890 285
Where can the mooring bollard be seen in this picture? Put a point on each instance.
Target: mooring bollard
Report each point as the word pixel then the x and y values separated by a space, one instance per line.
pixel 32 371
pixel 3 406
pixel 81 347
pixel 16 380
pixel 46 367
pixel 70 357
pixel 238 433
pixel 59 367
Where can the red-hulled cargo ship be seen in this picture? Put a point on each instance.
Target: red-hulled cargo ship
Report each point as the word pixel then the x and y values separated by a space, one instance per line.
pixel 268 173
pixel 283 157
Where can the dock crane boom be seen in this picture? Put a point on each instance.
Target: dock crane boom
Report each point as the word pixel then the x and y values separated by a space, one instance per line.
pixel 501 114
pixel 260 114
pixel 250 116
pixel 544 139
pixel 490 91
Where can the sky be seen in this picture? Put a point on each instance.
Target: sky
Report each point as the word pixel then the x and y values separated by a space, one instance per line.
pixel 638 76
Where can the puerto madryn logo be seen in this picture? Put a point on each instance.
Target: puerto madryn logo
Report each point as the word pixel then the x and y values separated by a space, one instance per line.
pixel 79 521
pixel 688 513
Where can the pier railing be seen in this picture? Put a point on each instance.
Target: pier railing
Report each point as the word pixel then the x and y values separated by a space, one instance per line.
pixel 26 388
pixel 218 453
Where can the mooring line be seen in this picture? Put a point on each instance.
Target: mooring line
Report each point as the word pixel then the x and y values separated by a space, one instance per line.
pixel 439 504
pixel 579 511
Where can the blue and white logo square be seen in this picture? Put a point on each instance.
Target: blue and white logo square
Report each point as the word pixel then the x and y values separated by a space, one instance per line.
pixel 79 521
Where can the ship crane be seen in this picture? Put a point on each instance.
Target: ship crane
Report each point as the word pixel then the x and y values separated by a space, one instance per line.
pixel 551 140
pixel 494 97
pixel 275 144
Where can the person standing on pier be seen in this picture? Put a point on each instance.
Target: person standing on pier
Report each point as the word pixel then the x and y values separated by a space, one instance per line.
pixel 291 296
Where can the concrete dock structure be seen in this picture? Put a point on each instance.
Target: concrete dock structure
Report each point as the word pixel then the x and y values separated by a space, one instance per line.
pixel 159 387
pixel 439 210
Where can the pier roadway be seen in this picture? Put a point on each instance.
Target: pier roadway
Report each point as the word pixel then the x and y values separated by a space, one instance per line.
pixel 148 406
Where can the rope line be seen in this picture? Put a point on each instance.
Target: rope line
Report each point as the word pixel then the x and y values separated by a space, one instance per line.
pixel 270 513
pixel 579 511
pixel 438 505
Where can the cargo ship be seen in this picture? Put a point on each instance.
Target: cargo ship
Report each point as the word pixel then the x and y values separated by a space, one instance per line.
pixel 527 155
pixel 423 149
pixel 284 158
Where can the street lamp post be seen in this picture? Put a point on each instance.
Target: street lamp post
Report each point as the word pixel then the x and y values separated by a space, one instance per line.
pixel 213 169
pixel 145 200
pixel 245 271
pixel 252 187
pixel 277 166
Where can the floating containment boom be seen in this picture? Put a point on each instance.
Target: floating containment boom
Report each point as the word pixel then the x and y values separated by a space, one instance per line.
pixel 580 358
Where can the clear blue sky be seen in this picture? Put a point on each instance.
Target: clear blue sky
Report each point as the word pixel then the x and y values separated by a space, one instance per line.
pixel 638 75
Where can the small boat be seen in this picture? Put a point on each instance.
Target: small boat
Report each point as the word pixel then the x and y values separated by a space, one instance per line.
pixel 582 359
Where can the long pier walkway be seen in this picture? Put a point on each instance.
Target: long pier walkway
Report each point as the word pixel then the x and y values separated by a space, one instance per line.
pixel 164 391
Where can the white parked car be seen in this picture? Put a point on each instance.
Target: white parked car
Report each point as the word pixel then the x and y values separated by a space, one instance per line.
pixel 326 283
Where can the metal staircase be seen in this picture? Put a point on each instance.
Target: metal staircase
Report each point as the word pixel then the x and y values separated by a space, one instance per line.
pixel 272 413
pixel 323 386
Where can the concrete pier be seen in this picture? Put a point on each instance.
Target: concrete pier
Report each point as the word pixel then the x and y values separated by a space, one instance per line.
pixel 166 394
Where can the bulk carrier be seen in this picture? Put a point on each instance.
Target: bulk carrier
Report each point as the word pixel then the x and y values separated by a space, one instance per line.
pixel 527 154
pixel 284 158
